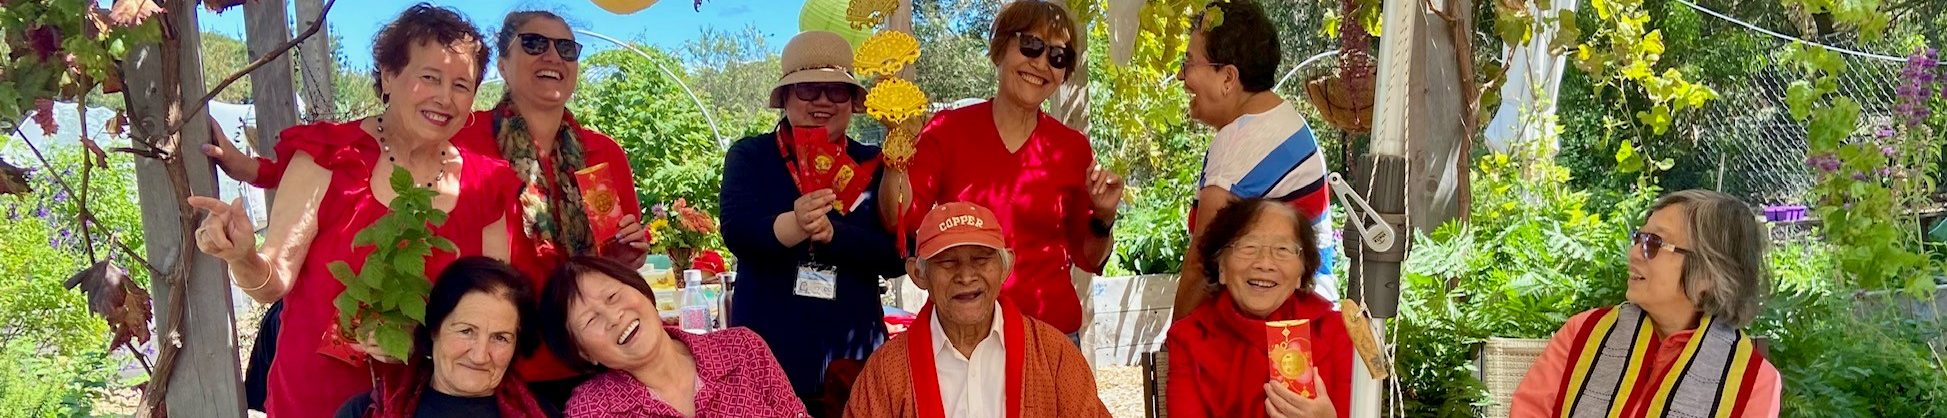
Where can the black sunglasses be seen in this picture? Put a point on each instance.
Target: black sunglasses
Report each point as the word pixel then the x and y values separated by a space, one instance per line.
pixel 1059 57
pixel 1652 244
pixel 836 92
pixel 537 44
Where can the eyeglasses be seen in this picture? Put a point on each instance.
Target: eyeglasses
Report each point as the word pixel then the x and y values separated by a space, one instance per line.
pixel 1652 244
pixel 1059 57
pixel 836 92
pixel 1279 252
pixel 537 44
pixel 1184 67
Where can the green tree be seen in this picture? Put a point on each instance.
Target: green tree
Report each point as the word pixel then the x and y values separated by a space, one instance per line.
pixel 669 144
pixel 953 62
pixel 733 74
pixel 222 56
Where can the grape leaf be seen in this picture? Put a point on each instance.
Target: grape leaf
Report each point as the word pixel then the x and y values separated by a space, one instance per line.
pixel 118 299
pixel 394 342
pixel 414 308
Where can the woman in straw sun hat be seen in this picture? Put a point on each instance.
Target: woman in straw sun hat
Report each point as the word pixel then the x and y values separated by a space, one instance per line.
pixel 797 216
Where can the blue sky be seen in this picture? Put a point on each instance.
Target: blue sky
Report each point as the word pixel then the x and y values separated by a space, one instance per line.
pixel 667 24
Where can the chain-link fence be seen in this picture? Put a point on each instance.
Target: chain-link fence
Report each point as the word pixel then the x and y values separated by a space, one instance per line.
pixel 1756 150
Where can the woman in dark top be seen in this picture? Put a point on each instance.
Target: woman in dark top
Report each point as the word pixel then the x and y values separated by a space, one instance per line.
pixel 476 323
pixel 808 273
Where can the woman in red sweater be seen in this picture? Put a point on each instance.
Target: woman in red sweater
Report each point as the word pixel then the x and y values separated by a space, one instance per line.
pixel 1262 256
pixel 1037 175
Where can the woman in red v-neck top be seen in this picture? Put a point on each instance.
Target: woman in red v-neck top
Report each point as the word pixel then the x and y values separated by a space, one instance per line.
pixel 1037 175
pixel 337 186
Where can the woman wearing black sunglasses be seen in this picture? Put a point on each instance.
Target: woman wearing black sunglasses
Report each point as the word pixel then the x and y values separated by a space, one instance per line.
pixel 533 131
pixel 1696 275
pixel 532 128
pixel 1039 176
pixel 812 253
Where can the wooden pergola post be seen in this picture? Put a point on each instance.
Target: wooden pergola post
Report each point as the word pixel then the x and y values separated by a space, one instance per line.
pixel 266 29
pixel 198 367
pixel 314 54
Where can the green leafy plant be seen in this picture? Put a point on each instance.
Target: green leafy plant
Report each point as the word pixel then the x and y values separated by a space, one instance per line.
pixel 1844 354
pixel 386 298
pixel 1534 253
pixel 1862 211
pixel 667 139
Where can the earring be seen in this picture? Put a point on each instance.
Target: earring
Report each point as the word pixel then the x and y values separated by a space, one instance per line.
pixel 385 97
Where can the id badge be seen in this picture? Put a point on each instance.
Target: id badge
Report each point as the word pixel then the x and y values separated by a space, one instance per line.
pixel 817 281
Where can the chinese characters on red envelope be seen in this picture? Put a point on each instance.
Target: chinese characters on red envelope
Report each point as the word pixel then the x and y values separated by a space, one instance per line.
pixel 1290 348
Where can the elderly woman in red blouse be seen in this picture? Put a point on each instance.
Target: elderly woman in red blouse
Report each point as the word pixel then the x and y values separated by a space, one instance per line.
pixel 600 316
pixel 1262 257
pixel 1036 174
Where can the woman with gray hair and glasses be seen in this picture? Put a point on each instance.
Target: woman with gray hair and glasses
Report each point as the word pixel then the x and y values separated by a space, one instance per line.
pixel 1696 277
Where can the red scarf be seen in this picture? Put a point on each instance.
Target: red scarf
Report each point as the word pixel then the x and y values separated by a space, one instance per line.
pixel 403 385
pixel 926 374
pixel 1235 388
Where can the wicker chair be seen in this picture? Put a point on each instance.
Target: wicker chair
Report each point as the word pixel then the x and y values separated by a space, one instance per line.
pixel 1502 364
pixel 1156 379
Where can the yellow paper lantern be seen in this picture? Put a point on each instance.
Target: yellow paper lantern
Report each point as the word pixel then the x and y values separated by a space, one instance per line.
pixel 829 16
pixel 623 7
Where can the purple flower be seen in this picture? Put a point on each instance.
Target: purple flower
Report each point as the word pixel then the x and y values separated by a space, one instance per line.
pixel 659 210
pixel 1860 177
pixel 1826 163
pixel 1888 151
pixel 1883 132
pixel 1917 87
pixel 1886 171
pixel 43 213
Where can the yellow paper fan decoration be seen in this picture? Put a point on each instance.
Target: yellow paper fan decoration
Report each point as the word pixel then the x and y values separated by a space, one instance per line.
pixel 895 100
pixel 886 53
pixel 902 141
pixel 869 13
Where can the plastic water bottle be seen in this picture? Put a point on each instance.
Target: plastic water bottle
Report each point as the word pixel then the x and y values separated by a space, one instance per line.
pixel 695 313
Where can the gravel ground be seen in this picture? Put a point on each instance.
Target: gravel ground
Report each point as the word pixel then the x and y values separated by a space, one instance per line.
pixel 1122 390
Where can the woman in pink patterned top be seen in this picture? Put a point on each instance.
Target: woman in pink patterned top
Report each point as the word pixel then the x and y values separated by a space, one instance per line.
pixel 600 316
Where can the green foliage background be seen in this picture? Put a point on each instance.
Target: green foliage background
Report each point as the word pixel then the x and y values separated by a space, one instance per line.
pixel 55 352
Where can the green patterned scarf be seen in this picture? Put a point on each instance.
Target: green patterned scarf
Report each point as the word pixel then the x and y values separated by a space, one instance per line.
pixel 556 217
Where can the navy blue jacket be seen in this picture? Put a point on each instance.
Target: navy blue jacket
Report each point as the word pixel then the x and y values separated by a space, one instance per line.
pixel 805 333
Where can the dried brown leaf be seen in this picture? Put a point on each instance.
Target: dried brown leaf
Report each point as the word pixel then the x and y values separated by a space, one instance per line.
pixel 126 13
pixel 221 5
pixel 13 180
pixel 118 124
pixel 123 303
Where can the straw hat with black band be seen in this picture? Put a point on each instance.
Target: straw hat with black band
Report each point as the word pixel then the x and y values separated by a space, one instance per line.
pixel 817 57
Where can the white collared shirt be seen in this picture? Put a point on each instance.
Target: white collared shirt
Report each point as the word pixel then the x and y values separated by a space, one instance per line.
pixel 972 387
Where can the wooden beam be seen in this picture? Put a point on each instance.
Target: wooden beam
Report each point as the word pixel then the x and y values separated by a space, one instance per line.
pixel 314 55
pixel 198 372
pixel 265 29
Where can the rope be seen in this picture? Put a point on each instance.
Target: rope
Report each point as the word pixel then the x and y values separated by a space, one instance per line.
pixel 1790 38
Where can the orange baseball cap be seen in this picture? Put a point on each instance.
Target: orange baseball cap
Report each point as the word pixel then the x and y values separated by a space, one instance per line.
pixel 959 223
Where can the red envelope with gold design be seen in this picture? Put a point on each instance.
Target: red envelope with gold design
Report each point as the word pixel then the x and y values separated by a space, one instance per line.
pixel 1290 348
pixel 600 201
pixel 824 164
